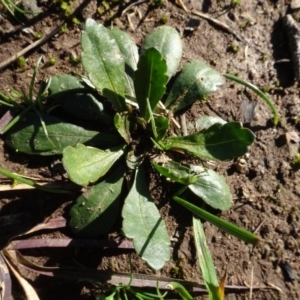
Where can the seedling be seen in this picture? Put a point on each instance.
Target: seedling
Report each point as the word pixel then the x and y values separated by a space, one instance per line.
pixel 65 6
pixel 21 62
pixel 142 129
pixel 52 61
pixel 29 101
pixel 235 2
pixel 296 161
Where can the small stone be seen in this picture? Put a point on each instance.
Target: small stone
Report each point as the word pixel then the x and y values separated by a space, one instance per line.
pixel 242 166
pixel 295 4
pixel 288 271
pixel 31 6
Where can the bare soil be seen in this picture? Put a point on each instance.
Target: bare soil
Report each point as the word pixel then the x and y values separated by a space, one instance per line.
pixel 264 183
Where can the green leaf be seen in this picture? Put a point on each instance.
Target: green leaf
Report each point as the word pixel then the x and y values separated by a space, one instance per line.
pixel 167 41
pixel 130 54
pixel 162 126
pixel 87 164
pixel 64 82
pixel 181 290
pixel 28 136
pixel 133 161
pixel 222 142
pixel 102 60
pixel 177 172
pixel 143 223
pixel 122 124
pixel 73 96
pixel 195 81
pixel 205 261
pixel 228 227
pixel 150 80
pixel 204 122
pixel 95 211
pixel 211 188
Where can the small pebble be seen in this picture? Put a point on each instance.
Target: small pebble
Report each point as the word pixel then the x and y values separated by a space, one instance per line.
pixel 288 271
pixel 295 4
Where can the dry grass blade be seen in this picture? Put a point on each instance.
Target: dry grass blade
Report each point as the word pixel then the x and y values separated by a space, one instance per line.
pixel 64 243
pixel 59 222
pixel 251 284
pixel 5 280
pixel 115 278
pixel 28 289
pixel 206 262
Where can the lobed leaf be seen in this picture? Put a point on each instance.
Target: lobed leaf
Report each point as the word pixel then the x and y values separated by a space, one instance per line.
pixel 143 223
pixel 150 80
pixel 28 136
pixel 95 211
pixel 102 60
pixel 195 81
pixel 130 55
pixel 211 188
pixel 222 142
pixel 167 41
pixel 87 164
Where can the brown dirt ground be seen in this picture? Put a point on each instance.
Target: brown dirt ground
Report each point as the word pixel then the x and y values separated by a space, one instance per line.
pixel 266 188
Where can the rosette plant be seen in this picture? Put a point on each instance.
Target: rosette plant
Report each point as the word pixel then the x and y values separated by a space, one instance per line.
pixel 140 94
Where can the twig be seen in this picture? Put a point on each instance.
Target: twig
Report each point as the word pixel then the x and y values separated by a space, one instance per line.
pixel 183 124
pixel 214 21
pixel 273 286
pixel 218 23
pixel 30 47
pixel 259 226
pixel 42 40
pixel 133 4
